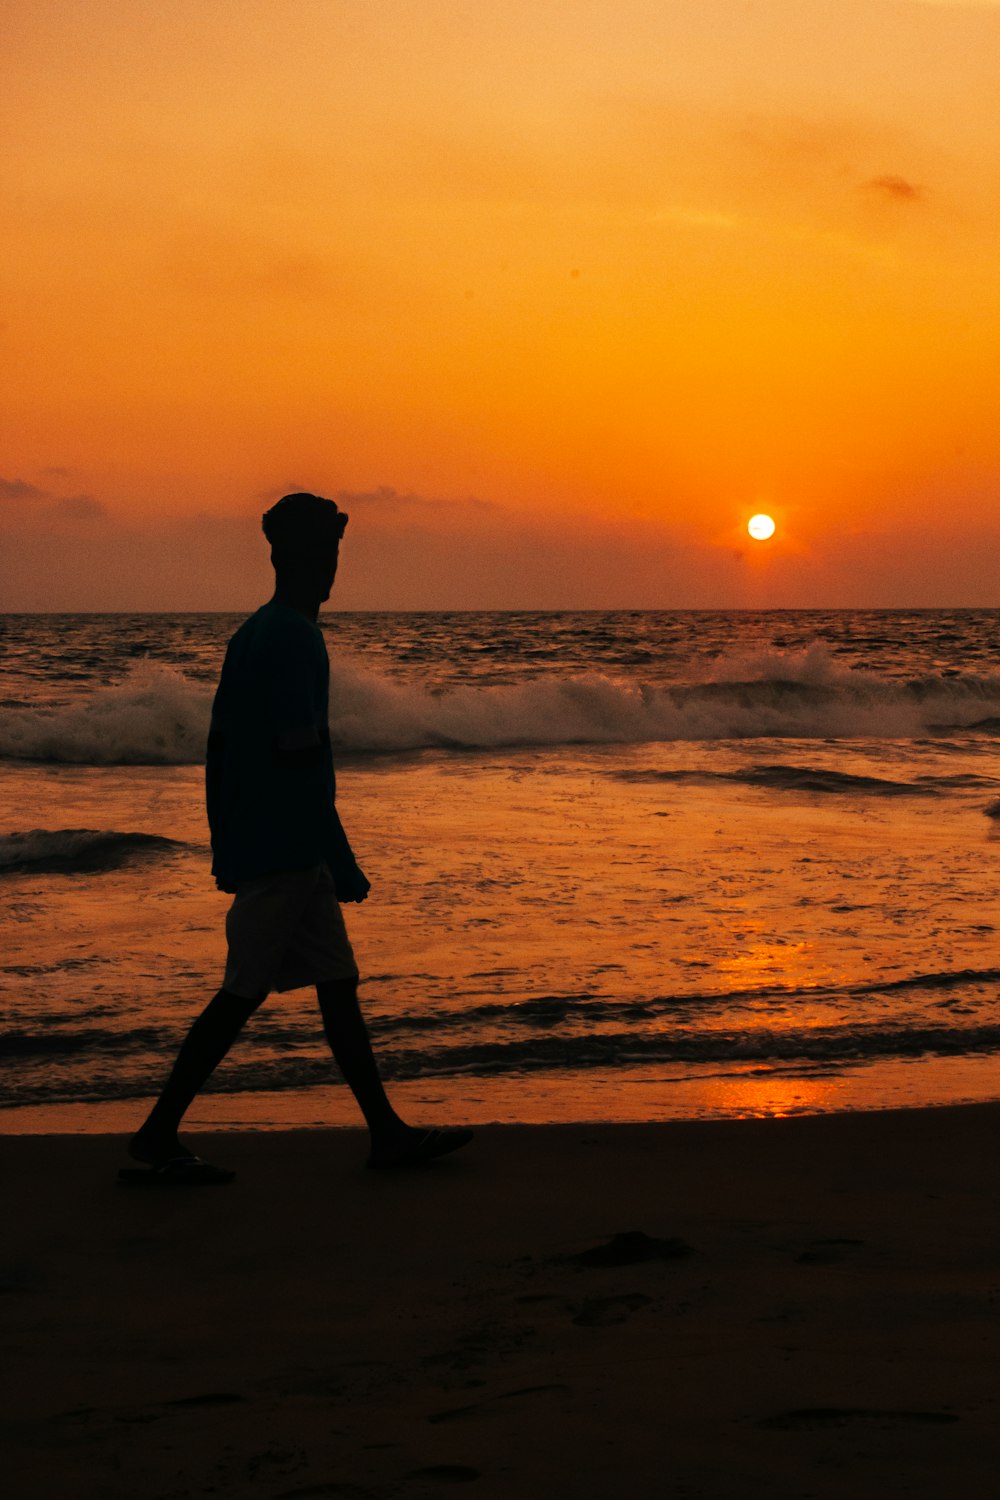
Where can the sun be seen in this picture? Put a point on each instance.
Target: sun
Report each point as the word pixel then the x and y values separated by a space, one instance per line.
pixel 760 528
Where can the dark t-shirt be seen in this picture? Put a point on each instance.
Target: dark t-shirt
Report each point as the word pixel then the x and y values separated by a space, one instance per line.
pixel 269 778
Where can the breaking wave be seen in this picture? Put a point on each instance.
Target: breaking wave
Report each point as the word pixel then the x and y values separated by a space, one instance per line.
pixel 154 716
pixel 76 850
pixel 818 779
pixel 157 716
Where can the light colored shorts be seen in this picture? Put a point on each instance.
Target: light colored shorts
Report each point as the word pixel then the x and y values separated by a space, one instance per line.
pixel 286 931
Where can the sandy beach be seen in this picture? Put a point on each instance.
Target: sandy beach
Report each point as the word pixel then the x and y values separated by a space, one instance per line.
pixel 803 1307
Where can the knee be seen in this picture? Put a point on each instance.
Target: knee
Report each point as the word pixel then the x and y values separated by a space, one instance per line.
pixel 337 991
pixel 239 1007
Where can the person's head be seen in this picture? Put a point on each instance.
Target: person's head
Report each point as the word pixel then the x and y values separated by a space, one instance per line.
pixel 304 532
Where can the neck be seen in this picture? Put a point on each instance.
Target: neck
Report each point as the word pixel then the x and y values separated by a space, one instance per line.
pixel 293 597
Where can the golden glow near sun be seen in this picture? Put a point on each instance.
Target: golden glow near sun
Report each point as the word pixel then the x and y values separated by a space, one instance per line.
pixel 529 273
pixel 760 528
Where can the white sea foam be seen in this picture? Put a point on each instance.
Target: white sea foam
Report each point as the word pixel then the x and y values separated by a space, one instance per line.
pixel 804 694
pixel 153 716
pixel 156 715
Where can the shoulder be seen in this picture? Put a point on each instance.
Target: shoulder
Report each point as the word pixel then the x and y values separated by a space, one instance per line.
pixel 279 622
pixel 275 631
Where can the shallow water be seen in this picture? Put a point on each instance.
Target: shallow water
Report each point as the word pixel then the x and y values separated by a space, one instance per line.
pixel 634 925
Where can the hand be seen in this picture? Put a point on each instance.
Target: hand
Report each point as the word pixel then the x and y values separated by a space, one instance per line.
pixel 353 887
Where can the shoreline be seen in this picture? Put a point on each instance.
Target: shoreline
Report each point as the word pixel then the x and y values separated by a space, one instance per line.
pixel 598 1097
pixel 813 1310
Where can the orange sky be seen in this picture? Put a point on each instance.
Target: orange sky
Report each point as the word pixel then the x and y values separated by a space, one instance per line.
pixel 559 293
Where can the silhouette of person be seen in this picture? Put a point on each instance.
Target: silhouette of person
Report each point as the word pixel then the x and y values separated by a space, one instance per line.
pixel 279 848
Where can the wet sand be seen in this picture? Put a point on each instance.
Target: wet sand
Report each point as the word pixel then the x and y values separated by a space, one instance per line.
pixel 806 1307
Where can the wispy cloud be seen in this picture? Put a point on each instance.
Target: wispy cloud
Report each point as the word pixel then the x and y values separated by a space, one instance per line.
pixel 20 489
pixel 388 502
pixel 385 504
pixel 45 505
pixel 899 189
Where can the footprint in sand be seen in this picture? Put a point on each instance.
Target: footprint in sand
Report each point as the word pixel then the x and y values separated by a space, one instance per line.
pixel 333 1488
pixel 445 1473
pixel 532 1390
pixel 454 1413
pixel 210 1398
pixel 631 1247
pixel 812 1417
pixel 601 1312
pixel 827 1252
pixel 458 1413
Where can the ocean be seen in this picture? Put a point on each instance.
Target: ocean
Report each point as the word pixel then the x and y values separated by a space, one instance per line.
pixel 625 865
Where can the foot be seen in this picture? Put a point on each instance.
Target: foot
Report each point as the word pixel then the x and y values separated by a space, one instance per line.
pixel 411 1147
pixel 167 1161
pixel 154 1148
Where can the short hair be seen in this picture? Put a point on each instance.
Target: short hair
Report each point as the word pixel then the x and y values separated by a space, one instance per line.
pixel 298 523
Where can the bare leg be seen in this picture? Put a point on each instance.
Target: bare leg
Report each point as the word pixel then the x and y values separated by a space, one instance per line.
pixel 393 1143
pixel 204 1047
pixel 351 1046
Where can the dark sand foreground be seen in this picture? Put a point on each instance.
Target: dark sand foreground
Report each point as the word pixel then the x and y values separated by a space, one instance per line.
pixel 319 1330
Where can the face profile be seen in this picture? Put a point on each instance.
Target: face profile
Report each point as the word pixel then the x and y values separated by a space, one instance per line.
pixel 326 568
pixel 304 531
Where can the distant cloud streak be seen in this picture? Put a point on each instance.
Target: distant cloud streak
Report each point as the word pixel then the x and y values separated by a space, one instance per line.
pixel 66 507
pixel 898 188
pixel 20 489
pixel 386 502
